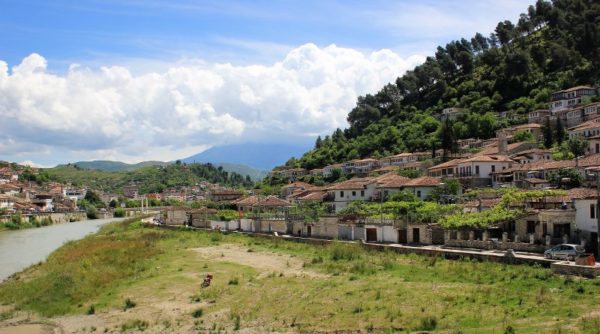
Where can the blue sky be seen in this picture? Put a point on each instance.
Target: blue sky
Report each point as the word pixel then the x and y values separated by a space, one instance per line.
pixel 257 69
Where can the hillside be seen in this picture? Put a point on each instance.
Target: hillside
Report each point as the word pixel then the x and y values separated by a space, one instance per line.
pixel 258 156
pixel 149 179
pixel 116 166
pixel 554 46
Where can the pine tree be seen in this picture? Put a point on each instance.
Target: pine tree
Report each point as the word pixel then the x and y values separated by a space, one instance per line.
pixel 548 140
pixel 560 131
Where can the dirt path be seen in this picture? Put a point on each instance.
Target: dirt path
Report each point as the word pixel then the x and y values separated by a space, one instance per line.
pixel 28 329
pixel 266 262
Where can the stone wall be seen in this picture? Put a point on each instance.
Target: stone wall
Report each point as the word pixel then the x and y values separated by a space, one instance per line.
pixel 489 245
pixel 570 268
pixel 58 218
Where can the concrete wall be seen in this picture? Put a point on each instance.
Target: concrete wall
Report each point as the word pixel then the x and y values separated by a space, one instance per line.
pixel 582 216
pixel 326 227
pixel 175 217
pixel 424 233
pixel 270 226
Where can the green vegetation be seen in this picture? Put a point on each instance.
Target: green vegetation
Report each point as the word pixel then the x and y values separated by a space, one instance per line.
pixel 119 213
pixel 552 47
pixel 350 288
pixel 510 208
pixel 17 222
pixel 150 179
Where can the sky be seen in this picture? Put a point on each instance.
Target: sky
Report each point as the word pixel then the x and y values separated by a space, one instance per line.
pixel 136 80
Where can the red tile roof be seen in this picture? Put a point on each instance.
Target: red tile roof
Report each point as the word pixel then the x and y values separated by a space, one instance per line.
pixel 273 201
pixel 424 181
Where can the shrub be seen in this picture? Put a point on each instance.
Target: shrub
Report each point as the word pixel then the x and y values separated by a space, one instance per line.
pixel 119 213
pixel 91 310
pixel 129 304
pixel 134 324
pixel 236 322
pixel 91 212
pixel 197 313
pixel 233 281
pixel 343 252
pixel 428 323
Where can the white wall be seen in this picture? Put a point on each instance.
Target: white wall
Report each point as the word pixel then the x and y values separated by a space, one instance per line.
pixel 582 215
pixel 350 195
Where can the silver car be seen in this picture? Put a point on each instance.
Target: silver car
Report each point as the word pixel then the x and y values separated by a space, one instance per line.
pixel 564 252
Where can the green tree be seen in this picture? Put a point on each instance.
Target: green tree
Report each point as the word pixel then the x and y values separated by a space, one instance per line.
pixel 548 137
pixel 523 135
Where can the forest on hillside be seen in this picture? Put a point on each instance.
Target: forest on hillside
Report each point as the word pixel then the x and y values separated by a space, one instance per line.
pixel 149 179
pixel 553 46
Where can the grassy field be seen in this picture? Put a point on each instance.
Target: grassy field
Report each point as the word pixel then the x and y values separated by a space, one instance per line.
pixel 148 279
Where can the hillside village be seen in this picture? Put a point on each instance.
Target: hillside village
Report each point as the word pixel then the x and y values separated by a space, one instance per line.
pixel 411 197
pixel 477 178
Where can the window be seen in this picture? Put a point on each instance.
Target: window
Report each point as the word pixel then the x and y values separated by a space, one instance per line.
pixel 476 170
pixel 530 227
pixel 593 211
pixel 353 193
pixel 341 193
pixel 362 193
pixel 597 147
pixel 419 193
pixel 493 168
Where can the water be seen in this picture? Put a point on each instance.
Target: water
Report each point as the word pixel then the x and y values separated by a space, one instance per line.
pixel 21 248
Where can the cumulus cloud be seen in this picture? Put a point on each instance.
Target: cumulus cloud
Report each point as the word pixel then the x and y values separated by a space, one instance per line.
pixel 111 112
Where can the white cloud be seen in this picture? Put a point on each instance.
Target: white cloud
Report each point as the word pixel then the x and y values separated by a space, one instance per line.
pixel 112 113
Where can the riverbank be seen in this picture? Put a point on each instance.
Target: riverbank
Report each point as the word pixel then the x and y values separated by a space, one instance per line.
pixel 21 248
pixel 133 278
pixel 19 222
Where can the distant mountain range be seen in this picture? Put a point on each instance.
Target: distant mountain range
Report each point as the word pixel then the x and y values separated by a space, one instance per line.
pixel 245 159
pixel 258 156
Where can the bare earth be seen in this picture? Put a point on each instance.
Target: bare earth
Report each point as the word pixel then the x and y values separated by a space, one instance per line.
pixel 165 312
pixel 262 261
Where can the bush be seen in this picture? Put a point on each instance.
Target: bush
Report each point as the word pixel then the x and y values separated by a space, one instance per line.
pixel 197 313
pixel 91 212
pixel 428 323
pixel 91 310
pixel 343 252
pixel 119 213
pixel 233 281
pixel 129 304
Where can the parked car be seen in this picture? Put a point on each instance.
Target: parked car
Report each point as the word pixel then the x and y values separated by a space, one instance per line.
pixel 564 251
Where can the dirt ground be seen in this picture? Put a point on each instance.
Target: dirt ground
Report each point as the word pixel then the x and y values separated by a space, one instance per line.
pixel 264 262
pixel 162 315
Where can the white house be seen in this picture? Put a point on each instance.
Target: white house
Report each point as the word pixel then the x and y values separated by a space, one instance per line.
pixel 570 98
pixel 422 186
pixel 6 202
pixel 360 166
pixel 529 156
pixel 587 129
pixel 483 167
pixel 358 189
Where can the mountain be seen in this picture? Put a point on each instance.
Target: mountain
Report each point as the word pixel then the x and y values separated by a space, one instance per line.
pixel 116 166
pixel 148 179
pixel 255 174
pixel 259 156
pixel 554 46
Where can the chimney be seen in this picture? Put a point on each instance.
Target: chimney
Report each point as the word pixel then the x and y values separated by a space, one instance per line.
pixel 502 143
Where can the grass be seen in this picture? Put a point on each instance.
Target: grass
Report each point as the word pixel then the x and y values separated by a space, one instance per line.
pixel 362 290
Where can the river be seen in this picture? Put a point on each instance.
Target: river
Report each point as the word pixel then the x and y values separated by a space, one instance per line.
pixel 21 248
